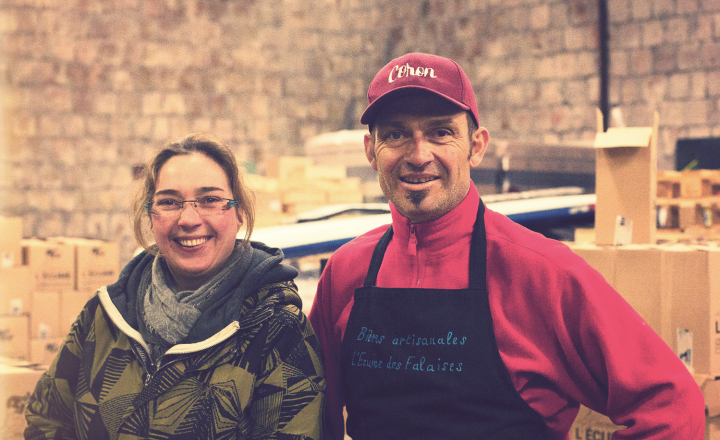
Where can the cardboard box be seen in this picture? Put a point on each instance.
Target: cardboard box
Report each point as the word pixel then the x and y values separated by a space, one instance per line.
pixel 698 183
pixel 288 167
pixel 688 214
pixel 14 337
pixel 592 425
pixel 637 279
pixel 15 288
pixel 626 181
pixel 600 258
pixel 711 392
pixel 712 428
pixel 18 382
pixel 44 351
pixel 326 172
pixel 340 197
pixel 290 209
pixel 710 388
pixel 584 235
pixel 97 263
pixel 45 315
pixel 52 263
pixel 692 273
pixel 71 304
pixel 10 247
pixel 303 197
pixel 262 184
pixel 668 184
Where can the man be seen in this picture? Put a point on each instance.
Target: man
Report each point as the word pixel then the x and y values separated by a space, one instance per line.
pixel 455 322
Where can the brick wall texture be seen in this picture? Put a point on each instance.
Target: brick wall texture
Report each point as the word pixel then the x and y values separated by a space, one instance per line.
pixel 90 88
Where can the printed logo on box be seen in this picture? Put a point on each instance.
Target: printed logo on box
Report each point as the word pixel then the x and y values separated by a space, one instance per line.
pixel 44 331
pixel 7 259
pixel 685 346
pixel 592 434
pixel 52 347
pixel 16 306
pixel 101 273
pixel 57 276
pixel 6 335
pixel 52 253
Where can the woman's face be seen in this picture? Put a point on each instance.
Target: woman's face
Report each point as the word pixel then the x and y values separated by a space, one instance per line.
pixel 194 246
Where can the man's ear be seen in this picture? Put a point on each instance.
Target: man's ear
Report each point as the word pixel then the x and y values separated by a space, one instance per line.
pixel 478 146
pixel 370 150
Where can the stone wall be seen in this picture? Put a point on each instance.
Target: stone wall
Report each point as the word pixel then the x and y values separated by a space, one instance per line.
pixel 90 88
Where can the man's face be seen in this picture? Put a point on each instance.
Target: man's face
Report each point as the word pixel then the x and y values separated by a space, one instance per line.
pixel 423 153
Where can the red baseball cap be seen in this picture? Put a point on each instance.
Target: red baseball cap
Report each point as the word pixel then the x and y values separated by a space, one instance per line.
pixel 441 76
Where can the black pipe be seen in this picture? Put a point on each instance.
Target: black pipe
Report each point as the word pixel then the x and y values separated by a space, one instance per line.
pixel 604 37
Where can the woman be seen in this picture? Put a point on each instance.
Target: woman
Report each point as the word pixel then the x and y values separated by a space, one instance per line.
pixel 201 337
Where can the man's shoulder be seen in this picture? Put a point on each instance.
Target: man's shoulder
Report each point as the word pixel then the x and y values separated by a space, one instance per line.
pixel 506 236
pixel 360 245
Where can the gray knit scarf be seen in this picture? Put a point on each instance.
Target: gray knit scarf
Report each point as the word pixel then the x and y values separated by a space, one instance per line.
pixel 169 316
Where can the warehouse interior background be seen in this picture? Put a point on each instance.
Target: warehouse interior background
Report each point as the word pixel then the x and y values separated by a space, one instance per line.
pixel 89 89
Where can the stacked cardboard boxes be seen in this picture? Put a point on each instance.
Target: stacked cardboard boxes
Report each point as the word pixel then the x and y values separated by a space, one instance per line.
pixel 44 285
pixel 293 185
pixel 18 380
pixel 674 287
pixel 688 199
pixel 65 272
pixel 626 182
pixel 10 250
pixel 590 425
pixel 15 292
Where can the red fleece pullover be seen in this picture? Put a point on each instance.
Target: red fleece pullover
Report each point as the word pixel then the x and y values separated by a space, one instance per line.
pixel 565 335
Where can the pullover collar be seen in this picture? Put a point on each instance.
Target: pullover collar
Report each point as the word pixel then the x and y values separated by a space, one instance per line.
pixel 434 235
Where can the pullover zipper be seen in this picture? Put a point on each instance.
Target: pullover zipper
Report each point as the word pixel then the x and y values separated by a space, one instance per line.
pixel 412 243
pixel 413 251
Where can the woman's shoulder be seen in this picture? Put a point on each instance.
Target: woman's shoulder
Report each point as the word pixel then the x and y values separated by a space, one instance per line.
pixel 281 314
pixel 278 301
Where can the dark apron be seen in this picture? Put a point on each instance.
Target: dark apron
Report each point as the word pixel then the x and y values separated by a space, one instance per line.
pixel 424 363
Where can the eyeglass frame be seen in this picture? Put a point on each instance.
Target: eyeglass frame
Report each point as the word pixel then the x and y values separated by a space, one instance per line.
pixel 231 204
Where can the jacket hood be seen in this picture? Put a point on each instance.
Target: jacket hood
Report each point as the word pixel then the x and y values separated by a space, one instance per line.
pixel 266 268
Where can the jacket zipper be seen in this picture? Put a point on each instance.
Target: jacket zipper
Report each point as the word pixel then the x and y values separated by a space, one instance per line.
pixel 144 359
pixel 151 369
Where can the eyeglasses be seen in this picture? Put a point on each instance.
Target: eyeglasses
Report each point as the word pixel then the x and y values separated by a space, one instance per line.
pixel 205 206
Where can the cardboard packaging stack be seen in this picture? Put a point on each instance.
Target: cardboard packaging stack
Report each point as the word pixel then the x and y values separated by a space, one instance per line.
pixel 689 200
pixel 674 286
pixel 18 380
pixel 293 185
pixel 65 272
pixel 676 290
pixel 15 292
pixel 44 284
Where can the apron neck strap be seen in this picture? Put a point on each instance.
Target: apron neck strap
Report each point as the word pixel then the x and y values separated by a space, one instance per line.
pixel 478 251
pixel 377 257
pixel 478 254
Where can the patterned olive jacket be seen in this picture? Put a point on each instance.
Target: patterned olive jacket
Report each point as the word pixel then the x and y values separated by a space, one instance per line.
pixel 258 378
